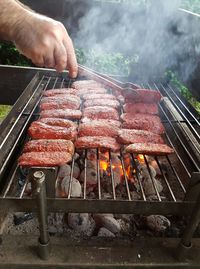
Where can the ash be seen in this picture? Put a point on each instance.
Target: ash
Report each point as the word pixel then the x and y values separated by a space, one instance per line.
pixel 76 225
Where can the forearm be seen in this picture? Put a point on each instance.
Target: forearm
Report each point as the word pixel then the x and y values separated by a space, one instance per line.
pixel 11 14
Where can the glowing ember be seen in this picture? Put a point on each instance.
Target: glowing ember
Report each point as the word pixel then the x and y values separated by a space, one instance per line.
pixel 140 158
pixel 103 165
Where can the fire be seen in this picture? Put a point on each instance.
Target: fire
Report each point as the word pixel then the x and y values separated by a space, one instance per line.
pixel 140 158
pixel 103 165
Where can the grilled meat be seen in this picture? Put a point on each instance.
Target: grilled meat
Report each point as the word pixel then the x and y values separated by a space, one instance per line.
pixel 59 105
pixel 40 130
pixel 97 142
pixel 43 159
pixel 114 123
pixel 143 96
pixel 49 145
pixel 85 83
pixel 89 96
pixel 97 128
pixel 58 122
pixel 102 102
pixel 61 113
pixel 91 91
pixel 61 98
pixel 149 148
pixel 56 92
pixel 141 108
pixel 142 122
pixel 101 112
pixel 129 136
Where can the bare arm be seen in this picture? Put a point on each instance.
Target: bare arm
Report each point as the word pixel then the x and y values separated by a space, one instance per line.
pixel 41 39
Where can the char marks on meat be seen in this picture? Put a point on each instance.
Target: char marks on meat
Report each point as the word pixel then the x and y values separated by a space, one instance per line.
pixel 61 98
pixel 59 105
pixel 84 91
pixel 40 130
pixel 129 136
pixel 49 145
pixel 44 159
pixel 97 142
pixel 97 128
pixel 114 123
pixel 140 121
pixel 58 122
pixel 143 96
pixel 102 102
pixel 149 148
pixel 89 96
pixel 55 92
pixel 101 112
pixel 71 114
pixel 141 108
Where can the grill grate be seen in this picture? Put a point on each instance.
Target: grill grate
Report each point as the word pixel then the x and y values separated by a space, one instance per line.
pixel 182 165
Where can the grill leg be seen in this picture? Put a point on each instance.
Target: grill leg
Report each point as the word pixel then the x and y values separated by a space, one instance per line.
pixel 185 243
pixel 43 241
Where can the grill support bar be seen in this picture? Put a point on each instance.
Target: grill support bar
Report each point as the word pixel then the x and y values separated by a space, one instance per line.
pixel 40 192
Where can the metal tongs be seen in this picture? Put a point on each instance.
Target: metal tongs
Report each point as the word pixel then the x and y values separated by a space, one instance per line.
pixel 118 87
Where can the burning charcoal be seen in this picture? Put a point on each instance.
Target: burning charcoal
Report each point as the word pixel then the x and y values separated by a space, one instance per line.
pixel 125 226
pixel 76 190
pixel 103 232
pixel 155 197
pixel 157 223
pixel 91 175
pixel 76 156
pixel 149 187
pixel 20 218
pixel 108 221
pixel 65 170
pixel 145 173
pixel 56 223
pixel 135 195
pixel 82 223
pixel 107 195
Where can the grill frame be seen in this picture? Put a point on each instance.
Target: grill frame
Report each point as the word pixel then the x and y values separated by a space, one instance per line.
pixel 69 204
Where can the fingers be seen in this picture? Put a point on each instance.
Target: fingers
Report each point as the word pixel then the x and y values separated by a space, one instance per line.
pixel 71 58
pixel 60 58
pixel 49 60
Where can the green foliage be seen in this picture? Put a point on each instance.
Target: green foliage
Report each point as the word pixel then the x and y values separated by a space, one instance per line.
pixel 183 89
pixel 4 110
pixel 11 56
pixel 191 5
pixel 105 62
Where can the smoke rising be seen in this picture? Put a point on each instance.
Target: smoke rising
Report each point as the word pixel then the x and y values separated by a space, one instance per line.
pixel 157 32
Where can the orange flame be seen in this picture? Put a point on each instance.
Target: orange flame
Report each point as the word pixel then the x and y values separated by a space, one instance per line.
pixel 140 158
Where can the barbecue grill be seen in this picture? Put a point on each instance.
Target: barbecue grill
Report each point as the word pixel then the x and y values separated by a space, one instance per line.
pixel 182 186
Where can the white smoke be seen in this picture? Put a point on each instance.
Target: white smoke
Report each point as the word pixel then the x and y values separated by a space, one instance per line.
pixel 157 32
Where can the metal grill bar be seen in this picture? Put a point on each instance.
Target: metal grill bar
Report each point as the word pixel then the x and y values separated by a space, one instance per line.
pixel 180 159
pixel 61 82
pixel 187 121
pixel 180 140
pixel 138 178
pixel 188 111
pixel 152 179
pixel 98 176
pixel 176 174
pixel 70 181
pixel 112 176
pixel 126 180
pixel 85 176
pixel 166 180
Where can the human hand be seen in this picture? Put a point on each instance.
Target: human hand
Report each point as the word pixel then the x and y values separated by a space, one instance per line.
pixel 46 42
